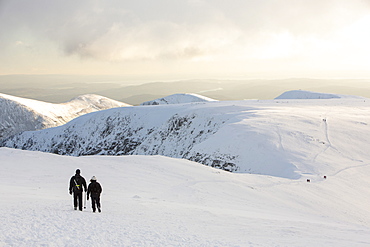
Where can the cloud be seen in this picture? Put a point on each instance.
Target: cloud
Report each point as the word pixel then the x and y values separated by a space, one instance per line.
pixel 19 43
pixel 186 30
pixel 131 32
pixel 155 40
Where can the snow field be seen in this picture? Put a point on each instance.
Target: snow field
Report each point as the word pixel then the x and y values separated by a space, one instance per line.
pixel 160 201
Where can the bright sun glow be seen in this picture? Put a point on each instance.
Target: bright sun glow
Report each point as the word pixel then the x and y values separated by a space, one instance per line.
pixel 192 38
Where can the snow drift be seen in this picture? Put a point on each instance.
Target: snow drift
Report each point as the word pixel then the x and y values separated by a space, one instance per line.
pixel 179 99
pixel 279 138
pixel 20 114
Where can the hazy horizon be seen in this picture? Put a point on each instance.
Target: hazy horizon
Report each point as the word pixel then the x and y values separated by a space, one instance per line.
pixel 62 88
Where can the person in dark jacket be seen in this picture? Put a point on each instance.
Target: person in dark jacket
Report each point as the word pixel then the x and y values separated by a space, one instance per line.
pixel 77 184
pixel 94 190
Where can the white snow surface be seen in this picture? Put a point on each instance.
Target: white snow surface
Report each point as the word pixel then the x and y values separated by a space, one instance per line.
pixel 302 94
pixel 282 138
pixel 160 201
pixel 20 114
pixel 181 98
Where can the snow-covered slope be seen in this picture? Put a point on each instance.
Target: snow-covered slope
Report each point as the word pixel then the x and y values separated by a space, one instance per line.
pixel 179 99
pixel 302 94
pixel 20 114
pixel 284 138
pixel 158 201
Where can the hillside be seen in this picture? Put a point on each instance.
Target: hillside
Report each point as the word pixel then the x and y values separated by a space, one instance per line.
pixel 179 99
pixel 20 114
pixel 160 201
pixel 283 138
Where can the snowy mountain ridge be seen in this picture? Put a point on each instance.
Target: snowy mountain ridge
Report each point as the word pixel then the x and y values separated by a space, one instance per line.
pixel 179 99
pixel 20 114
pixel 303 94
pixel 280 138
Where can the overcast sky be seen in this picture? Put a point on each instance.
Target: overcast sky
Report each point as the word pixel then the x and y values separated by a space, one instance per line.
pixel 186 38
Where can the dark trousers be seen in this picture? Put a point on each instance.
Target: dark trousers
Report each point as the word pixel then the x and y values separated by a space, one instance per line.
pixel 95 200
pixel 77 200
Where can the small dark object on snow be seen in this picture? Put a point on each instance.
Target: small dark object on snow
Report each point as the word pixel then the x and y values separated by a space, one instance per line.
pixel 324 177
pixel 308 180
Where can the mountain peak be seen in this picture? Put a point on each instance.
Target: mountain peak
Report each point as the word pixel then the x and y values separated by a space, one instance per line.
pixel 181 98
pixel 303 94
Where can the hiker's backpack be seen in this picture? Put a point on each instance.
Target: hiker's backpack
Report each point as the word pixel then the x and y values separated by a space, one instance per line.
pixel 77 184
pixel 94 188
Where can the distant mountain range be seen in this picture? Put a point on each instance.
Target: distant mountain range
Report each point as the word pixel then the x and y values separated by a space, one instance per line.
pixel 61 88
pixel 271 137
pixel 20 114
